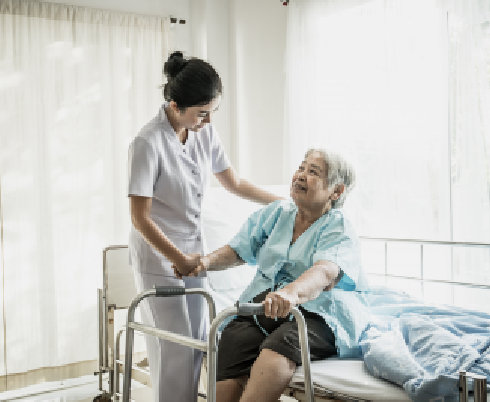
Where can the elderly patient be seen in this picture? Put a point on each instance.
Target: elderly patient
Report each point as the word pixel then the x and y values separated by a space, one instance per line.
pixel 307 256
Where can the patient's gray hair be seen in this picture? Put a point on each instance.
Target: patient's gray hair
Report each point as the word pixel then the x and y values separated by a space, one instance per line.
pixel 339 171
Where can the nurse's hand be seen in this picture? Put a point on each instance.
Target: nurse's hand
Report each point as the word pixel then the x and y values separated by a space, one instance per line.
pixel 279 303
pixel 202 266
pixel 186 266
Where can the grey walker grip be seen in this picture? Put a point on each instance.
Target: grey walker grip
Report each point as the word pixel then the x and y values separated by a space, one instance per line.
pixel 249 308
pixel 165 291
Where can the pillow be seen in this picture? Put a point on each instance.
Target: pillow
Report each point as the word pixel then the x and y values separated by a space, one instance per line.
pixel 223 214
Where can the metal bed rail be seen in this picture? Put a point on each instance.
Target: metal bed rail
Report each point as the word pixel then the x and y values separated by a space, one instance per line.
pixel 422 246
pixel 116 294
pixel 210 346
pixel 105 319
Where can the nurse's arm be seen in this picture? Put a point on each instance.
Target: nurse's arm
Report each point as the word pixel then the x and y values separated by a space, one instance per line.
pixel 220 259
pixel 323 275
pixel 141 219
pixel 243 188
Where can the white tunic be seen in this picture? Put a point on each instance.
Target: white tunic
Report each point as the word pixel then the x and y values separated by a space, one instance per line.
pixel 175 176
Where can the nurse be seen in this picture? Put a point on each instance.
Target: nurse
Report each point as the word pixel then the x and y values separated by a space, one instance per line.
pixel 170 161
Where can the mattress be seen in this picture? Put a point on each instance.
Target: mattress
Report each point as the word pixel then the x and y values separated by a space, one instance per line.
pixel 348 378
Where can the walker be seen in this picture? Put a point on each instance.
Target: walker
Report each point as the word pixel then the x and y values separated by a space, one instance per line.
pixel 210 347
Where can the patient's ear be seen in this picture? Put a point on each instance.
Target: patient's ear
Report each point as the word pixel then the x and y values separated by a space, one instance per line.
pixel 337 192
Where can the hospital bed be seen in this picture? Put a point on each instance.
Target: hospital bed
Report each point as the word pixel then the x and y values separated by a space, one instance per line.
pixel 333 379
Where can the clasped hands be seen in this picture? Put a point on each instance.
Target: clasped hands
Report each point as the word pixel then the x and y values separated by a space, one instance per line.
pixel 191 265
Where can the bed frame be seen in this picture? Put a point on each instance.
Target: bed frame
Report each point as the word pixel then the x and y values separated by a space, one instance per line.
pixel 422 245
pixel 118 291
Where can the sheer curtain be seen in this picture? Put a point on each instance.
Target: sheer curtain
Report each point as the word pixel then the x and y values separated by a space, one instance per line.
pixel 402 89
pixel 76 84
pixel 469 114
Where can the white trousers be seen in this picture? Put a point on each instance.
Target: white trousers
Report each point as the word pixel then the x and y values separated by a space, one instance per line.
pixel 174 368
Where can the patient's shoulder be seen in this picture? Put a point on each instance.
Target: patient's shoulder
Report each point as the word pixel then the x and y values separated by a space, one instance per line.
pixel 279 206
pixel 336 222
pixel 269 214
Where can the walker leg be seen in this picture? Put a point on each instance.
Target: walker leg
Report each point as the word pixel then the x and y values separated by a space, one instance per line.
pixel 211 383
pixel 100 337
pixel 128 362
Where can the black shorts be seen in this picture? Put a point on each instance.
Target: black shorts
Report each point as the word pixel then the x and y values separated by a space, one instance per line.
pixel 242 340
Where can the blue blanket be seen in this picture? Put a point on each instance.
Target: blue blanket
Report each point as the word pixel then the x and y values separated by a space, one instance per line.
pixel 422 348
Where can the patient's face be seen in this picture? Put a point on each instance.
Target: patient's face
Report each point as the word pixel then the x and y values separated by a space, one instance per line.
pixel 309 187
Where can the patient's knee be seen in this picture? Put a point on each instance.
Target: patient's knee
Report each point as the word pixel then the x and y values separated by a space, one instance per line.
pixel 274 362
pixel 242 381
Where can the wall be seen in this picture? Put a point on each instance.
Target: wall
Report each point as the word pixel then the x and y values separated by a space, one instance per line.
pixel 245 41
pixel 257 58
pixel 211 40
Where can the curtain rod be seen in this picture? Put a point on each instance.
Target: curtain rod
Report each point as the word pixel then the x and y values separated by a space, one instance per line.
pixel 174 20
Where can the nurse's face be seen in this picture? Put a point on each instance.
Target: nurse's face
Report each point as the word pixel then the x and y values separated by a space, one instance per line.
pixel 195 117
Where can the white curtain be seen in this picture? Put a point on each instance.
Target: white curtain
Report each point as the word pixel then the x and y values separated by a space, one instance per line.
pixel 402 89
pixel 76 84
pixel 469 115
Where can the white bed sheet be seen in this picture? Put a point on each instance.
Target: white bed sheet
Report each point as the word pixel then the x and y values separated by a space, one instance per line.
pixel 341 377
pixel 333 376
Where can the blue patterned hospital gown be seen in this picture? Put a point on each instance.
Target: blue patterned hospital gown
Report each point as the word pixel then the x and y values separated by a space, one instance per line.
pixel 265 240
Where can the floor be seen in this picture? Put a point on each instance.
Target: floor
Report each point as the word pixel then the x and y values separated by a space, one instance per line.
pixel 82 389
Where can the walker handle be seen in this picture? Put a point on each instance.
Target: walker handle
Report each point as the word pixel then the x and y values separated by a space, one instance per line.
pixel 164 291
pixel 249 308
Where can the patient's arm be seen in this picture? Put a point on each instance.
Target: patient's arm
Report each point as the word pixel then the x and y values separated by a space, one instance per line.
pixel 323 275
pixel 220 259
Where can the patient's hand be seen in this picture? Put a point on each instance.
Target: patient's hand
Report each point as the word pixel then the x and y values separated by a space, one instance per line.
pixel 187 266
pixel 203 265
pixel 279 303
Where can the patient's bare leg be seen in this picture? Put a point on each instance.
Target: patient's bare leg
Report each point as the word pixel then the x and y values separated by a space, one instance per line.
pixel 270 374
pixel 230 390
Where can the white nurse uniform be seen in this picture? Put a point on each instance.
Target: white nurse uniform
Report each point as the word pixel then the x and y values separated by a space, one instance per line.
pixel 175 176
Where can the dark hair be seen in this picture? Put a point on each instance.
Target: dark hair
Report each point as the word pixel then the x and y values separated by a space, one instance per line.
pixel 190 82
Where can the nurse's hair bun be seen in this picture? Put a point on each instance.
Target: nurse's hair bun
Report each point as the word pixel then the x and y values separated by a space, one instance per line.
pixel 190 82
pixel 174 65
